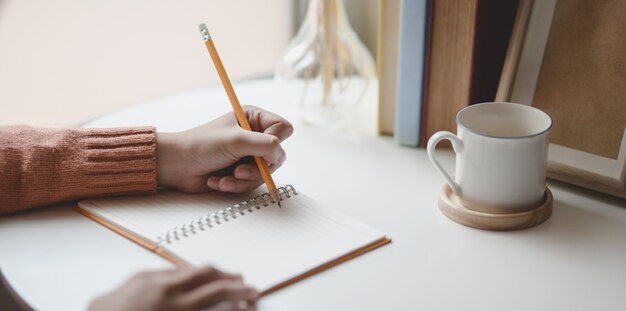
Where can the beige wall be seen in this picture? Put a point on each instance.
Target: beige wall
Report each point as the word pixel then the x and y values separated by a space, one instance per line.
pixel 65 61
pixel 363 16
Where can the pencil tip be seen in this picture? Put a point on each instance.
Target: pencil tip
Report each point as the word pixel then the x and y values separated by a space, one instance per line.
pixel 276 197
pixel 205 32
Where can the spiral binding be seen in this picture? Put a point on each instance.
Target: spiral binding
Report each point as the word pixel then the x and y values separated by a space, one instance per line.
pixel 224 215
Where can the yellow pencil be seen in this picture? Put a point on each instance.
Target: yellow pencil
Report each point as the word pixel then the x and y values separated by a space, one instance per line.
pixel 239 113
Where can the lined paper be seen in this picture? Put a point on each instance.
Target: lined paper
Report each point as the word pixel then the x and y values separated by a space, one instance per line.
pixel 268 246
pixel 272 245
pixel 151 216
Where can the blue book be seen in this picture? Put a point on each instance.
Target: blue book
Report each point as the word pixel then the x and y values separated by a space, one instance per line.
pixel 411 64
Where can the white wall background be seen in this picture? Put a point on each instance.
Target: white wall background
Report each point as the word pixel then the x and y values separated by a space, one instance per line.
pixel 363 16
pixel 64 62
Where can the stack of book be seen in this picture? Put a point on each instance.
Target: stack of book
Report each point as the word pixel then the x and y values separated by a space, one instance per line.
pixel 436 57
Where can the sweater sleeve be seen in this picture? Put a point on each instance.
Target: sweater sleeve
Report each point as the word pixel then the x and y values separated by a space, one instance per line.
pixel 44 166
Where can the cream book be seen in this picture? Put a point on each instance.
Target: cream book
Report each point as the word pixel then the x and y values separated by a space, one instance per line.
pixel 387 60
pixel 244 233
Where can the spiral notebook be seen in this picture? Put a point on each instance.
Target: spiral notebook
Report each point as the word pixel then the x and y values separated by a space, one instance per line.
pixel 249 234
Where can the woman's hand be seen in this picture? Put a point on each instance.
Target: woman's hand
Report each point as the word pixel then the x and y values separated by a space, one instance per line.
pixel 217 155
pixel 182 289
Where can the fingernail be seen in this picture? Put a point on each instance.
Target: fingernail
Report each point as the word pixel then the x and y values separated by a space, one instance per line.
pixel 228 185
pixel 282 158
pixel 244 173
pixel 254 294
pixel 213 182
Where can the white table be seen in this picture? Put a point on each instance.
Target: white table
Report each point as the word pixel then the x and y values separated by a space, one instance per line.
pixel 59 260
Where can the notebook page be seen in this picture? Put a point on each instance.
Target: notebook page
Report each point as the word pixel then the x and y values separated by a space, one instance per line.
pixel 151 216
pixel 272 245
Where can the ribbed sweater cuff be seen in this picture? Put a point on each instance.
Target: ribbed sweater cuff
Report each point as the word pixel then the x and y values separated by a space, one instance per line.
pixel 118 161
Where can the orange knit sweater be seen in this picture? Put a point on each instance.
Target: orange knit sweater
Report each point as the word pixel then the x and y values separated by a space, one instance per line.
pixel 44 166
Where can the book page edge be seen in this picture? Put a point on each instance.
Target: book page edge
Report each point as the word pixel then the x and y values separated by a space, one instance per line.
pixel 147 244
pixel 330 264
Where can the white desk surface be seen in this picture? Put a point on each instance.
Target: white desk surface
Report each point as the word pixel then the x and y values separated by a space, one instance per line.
pixel 59 260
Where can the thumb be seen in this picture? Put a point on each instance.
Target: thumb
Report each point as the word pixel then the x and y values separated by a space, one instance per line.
pixel 259 145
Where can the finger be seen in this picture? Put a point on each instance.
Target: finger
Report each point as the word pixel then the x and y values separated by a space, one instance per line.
pixel 242 172
pixel 214 182
pixel 268 122
pixel 252 171
pixel 232 276
pixel 218 291
pixel 231 184
pixel 273 167
pixel 193 185
pixel 247 171
pixel 241 305
pixel 189 278
pixel 247 143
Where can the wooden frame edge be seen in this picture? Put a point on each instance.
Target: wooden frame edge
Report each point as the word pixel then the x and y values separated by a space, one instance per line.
pixel 514 50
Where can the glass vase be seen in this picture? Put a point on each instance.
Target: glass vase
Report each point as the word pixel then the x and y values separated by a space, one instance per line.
pixel 326 69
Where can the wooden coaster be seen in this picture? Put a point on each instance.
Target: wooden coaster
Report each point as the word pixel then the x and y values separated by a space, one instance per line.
pixel 450 205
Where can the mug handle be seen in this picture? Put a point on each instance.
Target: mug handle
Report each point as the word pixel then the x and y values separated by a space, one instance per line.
pixel 457 146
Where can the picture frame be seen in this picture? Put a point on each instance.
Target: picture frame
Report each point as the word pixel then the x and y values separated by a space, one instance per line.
pixel 575 84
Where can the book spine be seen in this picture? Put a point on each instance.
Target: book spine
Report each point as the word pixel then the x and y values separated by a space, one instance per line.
pixel 387 59
pixel 410 79
pixel 427 55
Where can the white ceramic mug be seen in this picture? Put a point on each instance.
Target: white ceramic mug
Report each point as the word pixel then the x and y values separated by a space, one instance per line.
pixel 501 155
